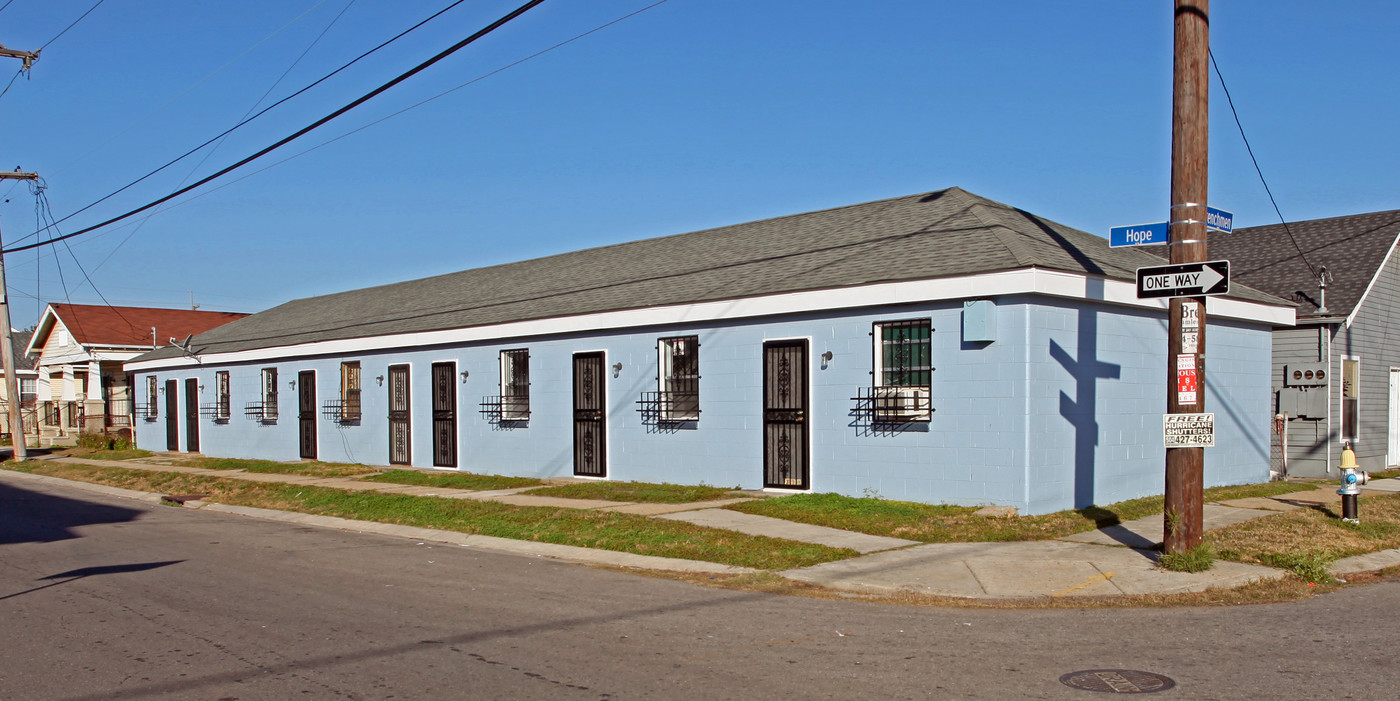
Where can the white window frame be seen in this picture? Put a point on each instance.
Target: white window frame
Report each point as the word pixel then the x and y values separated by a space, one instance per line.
pixel 515 393
pixel 676 403
pixel 351 390
pixel 901 402
pixel 223 405
pixel 269 394
pixel 1342 424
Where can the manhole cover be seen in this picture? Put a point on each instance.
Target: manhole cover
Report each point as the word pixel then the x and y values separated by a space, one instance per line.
pixel 1117 681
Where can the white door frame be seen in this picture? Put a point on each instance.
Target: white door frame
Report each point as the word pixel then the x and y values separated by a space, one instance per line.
pixel 1392 455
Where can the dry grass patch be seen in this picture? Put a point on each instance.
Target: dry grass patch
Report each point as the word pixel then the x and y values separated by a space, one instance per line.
pixel 453 480
pixel 931 523
pixel 634 491
pixel 308 469
pixel 590 529
pixel 105 454
pixel 1307 540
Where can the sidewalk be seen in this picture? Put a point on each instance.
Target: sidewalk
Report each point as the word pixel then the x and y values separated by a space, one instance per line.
pixel 1112 561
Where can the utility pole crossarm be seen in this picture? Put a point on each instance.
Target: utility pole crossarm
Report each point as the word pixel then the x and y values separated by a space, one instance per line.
pixel 29 57
pixel 17 175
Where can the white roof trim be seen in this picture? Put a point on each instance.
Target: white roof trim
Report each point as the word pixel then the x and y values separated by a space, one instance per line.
pixel 1352 316
pixel 1024 281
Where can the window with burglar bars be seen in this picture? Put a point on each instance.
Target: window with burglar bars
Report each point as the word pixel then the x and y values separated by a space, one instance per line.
pixel 350 391
pixel 515 385
pixel 221 396
pixel 1351 397
pixel 903 371
pixel 679 378
pixel 269 394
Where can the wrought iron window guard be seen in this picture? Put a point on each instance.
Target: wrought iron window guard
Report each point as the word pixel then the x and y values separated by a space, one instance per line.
pixel 669 407
pixel 265 412
pixel 146 411
pixel 895 405
pixel 218 411
pixel 344 411
pixel 500 410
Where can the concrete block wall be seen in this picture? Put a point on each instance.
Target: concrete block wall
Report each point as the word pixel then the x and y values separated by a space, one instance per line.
pixel 1063 409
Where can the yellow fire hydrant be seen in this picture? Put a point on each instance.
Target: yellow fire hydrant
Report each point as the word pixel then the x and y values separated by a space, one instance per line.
pixel 1352 479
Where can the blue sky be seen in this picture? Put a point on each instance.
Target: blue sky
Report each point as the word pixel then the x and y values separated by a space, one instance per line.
pixel 689 115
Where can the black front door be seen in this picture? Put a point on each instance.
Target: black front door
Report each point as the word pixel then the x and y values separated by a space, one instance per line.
pixel 306 413
pixel 399 452
pixel 444 414
pixel 590 416
pixel 172 415
pixel 785 460
pixel 192 415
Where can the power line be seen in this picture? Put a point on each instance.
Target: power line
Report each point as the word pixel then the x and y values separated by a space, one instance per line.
pixel 301 132
pixel 186 91
pixel 246 120
pixel 65 29
pixel 387 117
pixel 1248 148
pixel 7 4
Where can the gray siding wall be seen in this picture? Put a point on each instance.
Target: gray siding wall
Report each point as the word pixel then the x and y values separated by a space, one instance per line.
pixel 1374 336
pixel 1307 439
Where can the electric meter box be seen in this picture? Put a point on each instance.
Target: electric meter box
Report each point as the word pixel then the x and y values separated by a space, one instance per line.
pixel 1305 375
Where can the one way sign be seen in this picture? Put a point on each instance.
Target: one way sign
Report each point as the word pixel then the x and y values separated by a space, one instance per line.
pixel 1185 280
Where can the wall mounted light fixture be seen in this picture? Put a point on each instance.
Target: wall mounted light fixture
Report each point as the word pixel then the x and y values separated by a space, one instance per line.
pixel 464 374
pixel 617 369
pixel 826 358
pixel 380 380
pixel 292 384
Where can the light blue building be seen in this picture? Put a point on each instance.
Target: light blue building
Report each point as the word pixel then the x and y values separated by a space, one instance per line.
pixel 940 348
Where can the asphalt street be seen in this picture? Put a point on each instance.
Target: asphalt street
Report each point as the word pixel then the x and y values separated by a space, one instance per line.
pixel 106 598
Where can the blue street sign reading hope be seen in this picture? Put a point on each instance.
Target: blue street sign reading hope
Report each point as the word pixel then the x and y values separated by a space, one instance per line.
pixel 1139 235
pixel 1156 232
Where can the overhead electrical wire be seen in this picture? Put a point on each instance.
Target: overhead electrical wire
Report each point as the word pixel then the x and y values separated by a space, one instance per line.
pixel 246 120
pixel 45 212
pixel 65 29
pixel 413 106
pixel 1257 169
pixel 300 132
pixel 210 153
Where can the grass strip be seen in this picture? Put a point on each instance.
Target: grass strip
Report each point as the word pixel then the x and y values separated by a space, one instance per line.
pixel 647 492
pixel 310 469
pixel 932 523
pixel 1308 540
pixel 453 480
pixel 91 454
pixel 590 529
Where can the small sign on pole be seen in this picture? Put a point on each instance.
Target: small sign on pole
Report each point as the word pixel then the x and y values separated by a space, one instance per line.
pixel 1188 430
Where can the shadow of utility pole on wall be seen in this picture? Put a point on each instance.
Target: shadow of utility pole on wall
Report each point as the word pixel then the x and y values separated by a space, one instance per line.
pixel 1082 411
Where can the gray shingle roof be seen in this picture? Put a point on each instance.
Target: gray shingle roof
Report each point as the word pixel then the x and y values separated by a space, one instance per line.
pixel 1352 248
pixel 932 235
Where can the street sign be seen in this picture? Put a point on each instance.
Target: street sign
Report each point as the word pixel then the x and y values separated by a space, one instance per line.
pixel 1138 235
pixel 1219 220
pixel 1184 280
pixel 1156 232
pixel 1188 430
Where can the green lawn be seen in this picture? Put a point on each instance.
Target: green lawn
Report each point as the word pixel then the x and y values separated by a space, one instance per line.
pixel 633 491
pixel 959 524
pixel 591 529
pixel 313 469
pixel 453 480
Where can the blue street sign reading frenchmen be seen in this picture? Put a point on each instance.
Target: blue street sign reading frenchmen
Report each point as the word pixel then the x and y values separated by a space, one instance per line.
pixel 1139 235
pixel 1219 220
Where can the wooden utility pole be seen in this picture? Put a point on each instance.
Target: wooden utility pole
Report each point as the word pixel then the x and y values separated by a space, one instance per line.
pixel 7 347
pixel 1186 337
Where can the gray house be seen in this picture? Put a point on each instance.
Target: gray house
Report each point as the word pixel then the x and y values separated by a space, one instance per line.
pixel 1337 373
pixel 939 347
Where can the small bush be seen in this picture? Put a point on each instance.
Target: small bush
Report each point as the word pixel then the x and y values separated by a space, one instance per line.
pixel 1197 559
pixel 1312 567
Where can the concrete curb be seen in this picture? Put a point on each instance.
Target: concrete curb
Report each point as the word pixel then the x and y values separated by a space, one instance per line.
pixel 567 553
